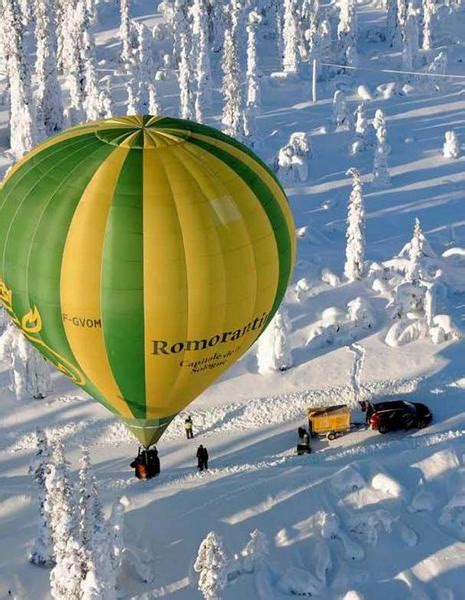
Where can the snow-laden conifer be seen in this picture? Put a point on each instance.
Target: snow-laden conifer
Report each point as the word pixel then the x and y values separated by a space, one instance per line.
pixel 438 66
pixel 203 75
pixel 292 160
pixel 429 9
pixel 145 65
pixel 23 133
pixel 116 532
pixel 273 349
pixel 92 100
pixel 180 26
pixel 355 235
pixel 186 80
pixel 381 177
pixel 380 165
pixel 106 102
pixel 290 33
pixel 451 148
pixel 154 103
pixel 232 118
pixel 67 574
pixel 363 135
pixel 256 551
pixel 89 505
pixel 132 93
pixel 413 271
pixel 29 371
pixel 253 84
pixel 393 29
pixel 324 35
pixel 74 63
pixel 38 373
pixel 211 566
pixel 411 39
pixel 340 115
pixel 347 34
pixel 126 56
pixel 42 550
pixel 49 101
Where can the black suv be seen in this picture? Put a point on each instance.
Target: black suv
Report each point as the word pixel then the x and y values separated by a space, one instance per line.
pixel 398 414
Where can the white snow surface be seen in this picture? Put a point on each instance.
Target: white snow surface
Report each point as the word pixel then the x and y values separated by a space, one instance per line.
pixel 364 516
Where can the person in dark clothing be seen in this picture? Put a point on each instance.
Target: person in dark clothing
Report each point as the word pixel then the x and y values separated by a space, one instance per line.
pixel 301 431
pixel 140 465
pixel 153 462
pixel 146 464
pixel 202 458
pixel 188 427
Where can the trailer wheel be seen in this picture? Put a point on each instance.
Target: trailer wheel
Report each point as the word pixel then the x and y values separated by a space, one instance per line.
pixel 331 435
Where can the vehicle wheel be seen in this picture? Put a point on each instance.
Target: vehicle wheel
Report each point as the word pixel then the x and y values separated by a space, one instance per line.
pixel 383 429
pixel 421 424
pixel 331 435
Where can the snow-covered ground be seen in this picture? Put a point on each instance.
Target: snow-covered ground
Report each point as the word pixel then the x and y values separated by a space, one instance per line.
pixel 381 516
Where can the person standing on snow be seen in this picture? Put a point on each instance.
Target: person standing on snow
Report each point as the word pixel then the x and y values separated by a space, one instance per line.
pixel 188 428
pixel 202 458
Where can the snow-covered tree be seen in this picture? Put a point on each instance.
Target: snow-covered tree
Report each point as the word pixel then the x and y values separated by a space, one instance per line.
pixel 42 550
pixel 393 30
pixel 355 235
pixel 411 39
pixel 232 118
pixel 203 75
pixel 23 133
pixel 76 51
pixel 340 114
pixel 356 371
pixel 211 566
pixel 438 66
pixel 429 9
pixel 116 532
pixel 99 581
pixel 38 380
pixel 379 124
pixel 451 148
pixel 186 93
pixel 364 132
pixel 92 100
pixel 290 33
pixel 291 162
pixel 106 102
pixel 381 176
pixel 154 104
pixel 413 270
pixel 49 101
pixel 180 25
pixel 253 84
pixel 132 92
pixel 29 371
pixel 347 34
pixel 67 574
pixel 402 7
pixel 146 68
pixel 325 36
pixel 273 349
pixel 125 35
pixel 90 508
pixel 255 552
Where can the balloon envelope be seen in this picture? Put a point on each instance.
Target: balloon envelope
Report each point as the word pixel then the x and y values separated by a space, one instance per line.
pixel 143 256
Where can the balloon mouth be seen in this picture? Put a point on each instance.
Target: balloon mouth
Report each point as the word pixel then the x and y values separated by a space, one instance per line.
pixel 148 431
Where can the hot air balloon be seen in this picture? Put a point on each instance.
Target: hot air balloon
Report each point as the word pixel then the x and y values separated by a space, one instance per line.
pixel 143 256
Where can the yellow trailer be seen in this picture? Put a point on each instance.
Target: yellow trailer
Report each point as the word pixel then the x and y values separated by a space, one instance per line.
pixel 329 420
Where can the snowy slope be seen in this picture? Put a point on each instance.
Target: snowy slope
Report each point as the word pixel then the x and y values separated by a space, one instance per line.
pixel 395 503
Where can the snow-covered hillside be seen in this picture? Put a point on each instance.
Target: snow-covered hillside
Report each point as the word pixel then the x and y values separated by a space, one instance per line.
pixel 363 516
